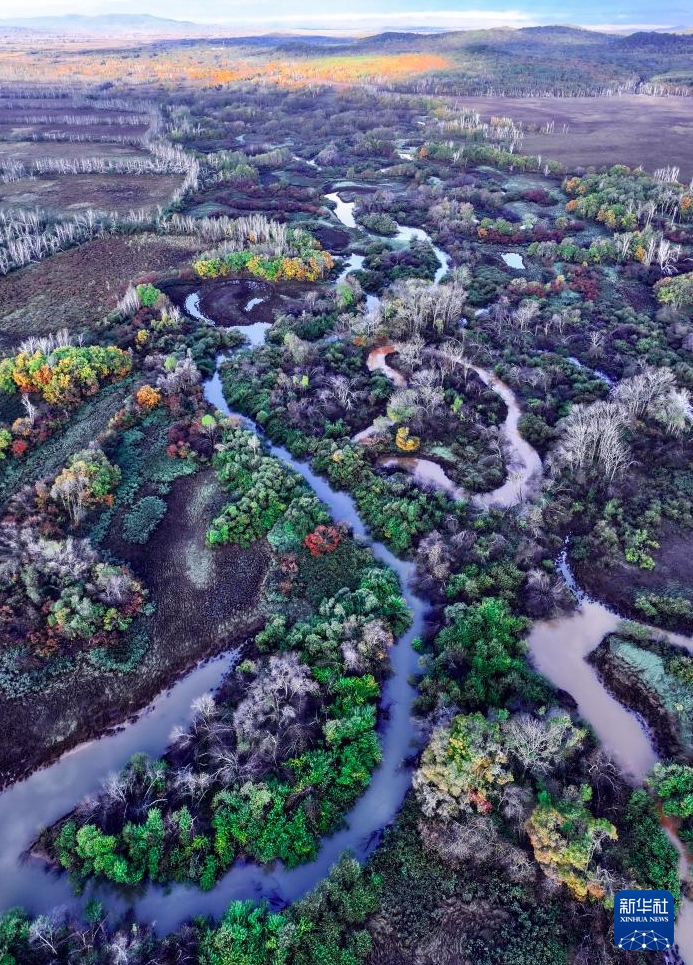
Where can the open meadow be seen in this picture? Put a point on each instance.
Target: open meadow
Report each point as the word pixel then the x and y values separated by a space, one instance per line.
pixel 585 132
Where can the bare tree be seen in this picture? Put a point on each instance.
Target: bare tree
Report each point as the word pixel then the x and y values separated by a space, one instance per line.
pixel 540 743
pixel 342 390
pixel 428 390
pixel 44 932
pixel 592 440
pixel 639 393
pixel 524 314
pixel 413 307
pixel 270 720
pixel 29 408
pixel 674 412
pixel 411 351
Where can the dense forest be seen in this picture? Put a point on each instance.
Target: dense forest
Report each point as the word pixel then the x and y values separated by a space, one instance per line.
pixel 365 433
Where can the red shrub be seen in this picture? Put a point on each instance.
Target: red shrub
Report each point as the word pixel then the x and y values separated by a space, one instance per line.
pixel 538 195
pixel 585 283
pixel 19 447
pixel 323 539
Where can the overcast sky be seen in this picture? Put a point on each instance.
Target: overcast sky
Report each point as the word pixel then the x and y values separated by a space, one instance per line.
pixel 637 14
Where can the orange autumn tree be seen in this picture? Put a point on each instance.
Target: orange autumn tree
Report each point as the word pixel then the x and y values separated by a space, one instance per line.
pixel 406 442
pixel 148 397
pixel 210 67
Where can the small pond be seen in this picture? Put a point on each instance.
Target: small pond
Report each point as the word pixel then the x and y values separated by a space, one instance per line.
pixel 513 260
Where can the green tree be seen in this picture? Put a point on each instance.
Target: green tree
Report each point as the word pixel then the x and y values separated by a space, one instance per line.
pixel 649 853
pixel 14 937
pixel 248 935
pixel 486 640
pixel 148 295
pixel 673 784
pixel 676 291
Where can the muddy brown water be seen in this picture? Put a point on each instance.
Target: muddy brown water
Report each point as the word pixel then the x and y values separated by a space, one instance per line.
pixel 377 362
pixel 557 647
pixel 523 461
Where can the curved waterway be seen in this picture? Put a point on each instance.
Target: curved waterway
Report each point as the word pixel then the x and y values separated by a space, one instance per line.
pixel 621 732
pixel 377 362
pixel 344 212
pixel 48 794
pixel 597 373
pixel 558 649
pixel 524 466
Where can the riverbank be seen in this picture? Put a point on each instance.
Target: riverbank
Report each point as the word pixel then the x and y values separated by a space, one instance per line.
pixel 401 737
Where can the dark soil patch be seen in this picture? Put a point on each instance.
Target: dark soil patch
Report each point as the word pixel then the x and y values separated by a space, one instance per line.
pixel 226 301
pixel 332 239
pixel 76 288
pixel 207 602
pixel 201 593
pixel 274 198
pixel 101 192
pixel 618 587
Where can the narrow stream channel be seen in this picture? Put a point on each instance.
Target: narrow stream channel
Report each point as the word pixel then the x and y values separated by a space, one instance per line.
pixel 524 463
pixel 557 647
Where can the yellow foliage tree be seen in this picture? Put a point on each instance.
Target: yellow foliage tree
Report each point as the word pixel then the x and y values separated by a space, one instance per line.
pixel 405 442
pixel 565 837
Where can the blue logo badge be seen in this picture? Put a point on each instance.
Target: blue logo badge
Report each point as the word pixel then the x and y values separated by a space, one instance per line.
pixel 643 920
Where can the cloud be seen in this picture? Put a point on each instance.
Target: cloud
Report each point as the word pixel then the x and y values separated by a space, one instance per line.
pixel 628 27
pixel 459 19
pixel 366 15
pixel 299 12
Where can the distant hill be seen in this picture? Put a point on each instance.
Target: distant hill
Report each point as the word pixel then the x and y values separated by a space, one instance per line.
pixel 651 40
pixel 106 25
pixel 147 26
pixel 529 61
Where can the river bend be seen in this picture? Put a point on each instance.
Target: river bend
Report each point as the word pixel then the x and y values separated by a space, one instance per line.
pixel 558 649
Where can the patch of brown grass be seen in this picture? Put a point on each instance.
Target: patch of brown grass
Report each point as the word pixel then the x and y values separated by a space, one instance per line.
pixel 630 129
pixel 101 192
pixel 75 288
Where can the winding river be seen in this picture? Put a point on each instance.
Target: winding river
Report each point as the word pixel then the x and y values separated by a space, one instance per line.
pixel 524 466
pixel 44 797
pixel 557 647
